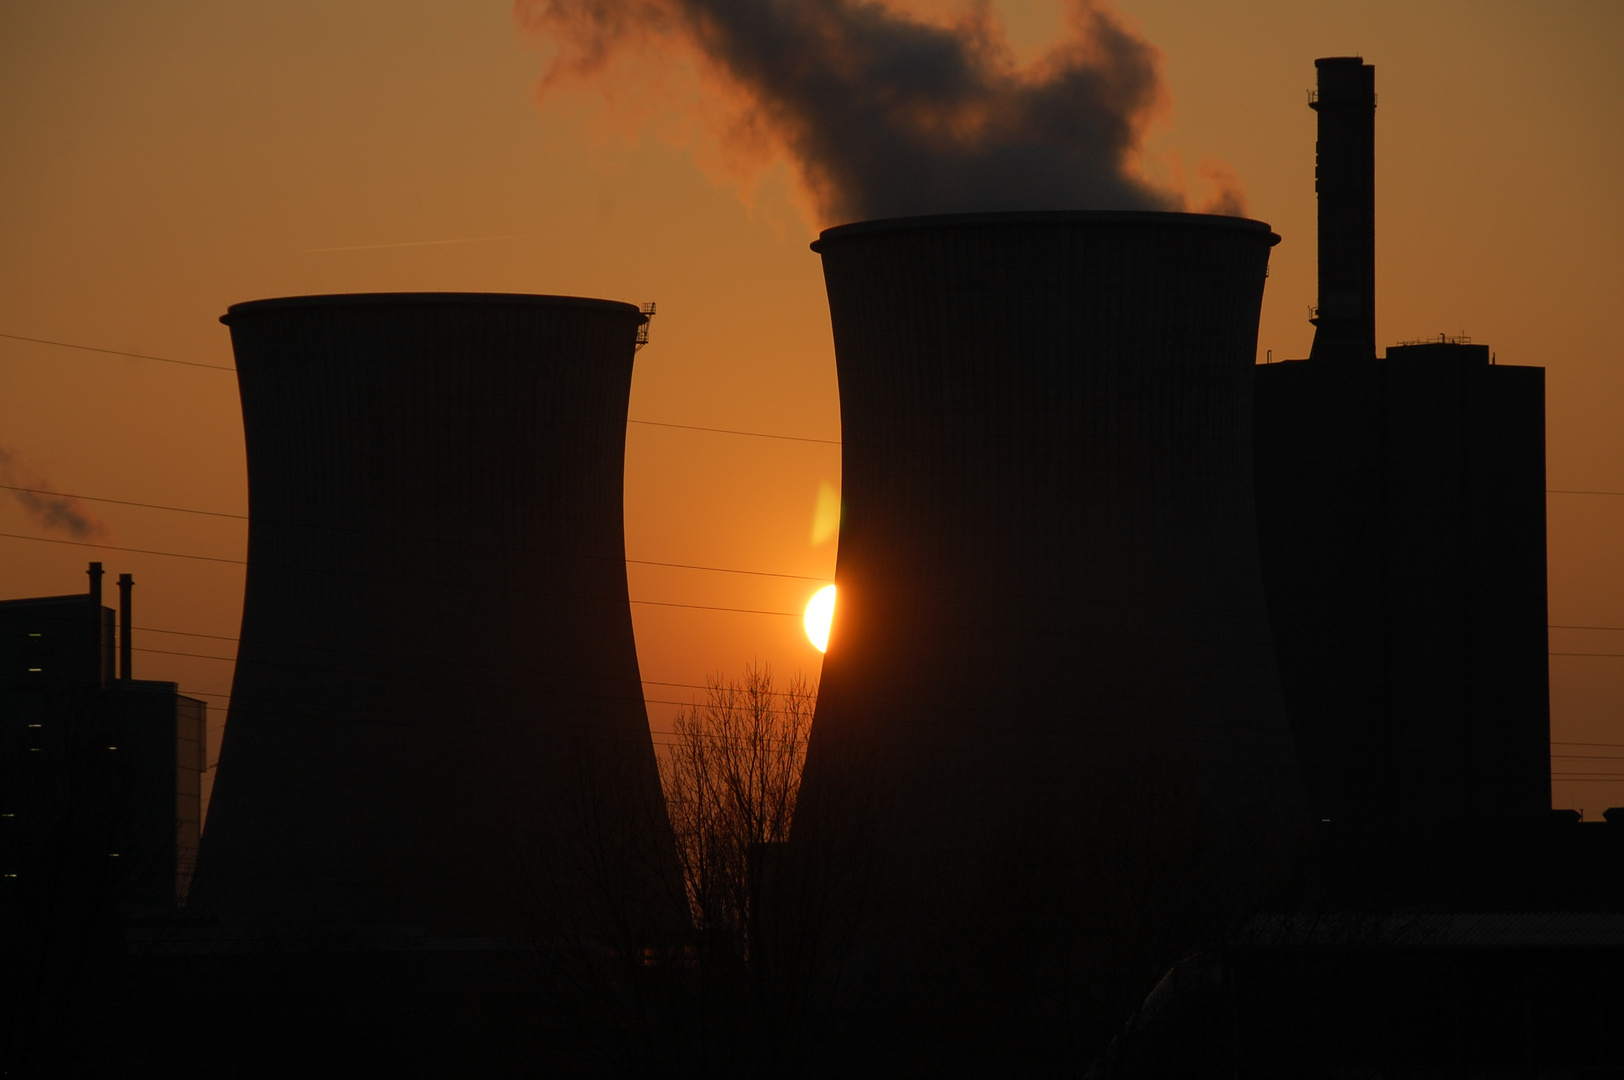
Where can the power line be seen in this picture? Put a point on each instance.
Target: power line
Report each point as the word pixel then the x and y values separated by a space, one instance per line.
pixel 244 562
pixel 505 668
pixel 648 423
pixel 730 431
pixel 1045 596
pixel 382 708
pixel 225 695
pixel 115 547
pixel 244 517
pixel 579 693
pixel 123 502
pixel 116 352
pixel 638 562
pixel 642 562
pixel 217 367
pixel 1195 731
pixel 396 714
pixel 647 603
pixel 694 686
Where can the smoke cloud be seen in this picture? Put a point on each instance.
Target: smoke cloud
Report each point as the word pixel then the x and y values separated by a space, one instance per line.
pixel 59 512
pixel 883 110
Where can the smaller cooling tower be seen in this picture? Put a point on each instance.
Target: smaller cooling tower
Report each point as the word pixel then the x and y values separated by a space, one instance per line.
pixel 1049 591
pixel 437 715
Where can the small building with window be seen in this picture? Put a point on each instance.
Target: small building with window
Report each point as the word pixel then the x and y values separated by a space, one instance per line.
pixel 100 773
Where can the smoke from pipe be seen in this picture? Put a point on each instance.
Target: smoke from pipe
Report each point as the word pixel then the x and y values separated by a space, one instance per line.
pixel 883 110
pixel 47 510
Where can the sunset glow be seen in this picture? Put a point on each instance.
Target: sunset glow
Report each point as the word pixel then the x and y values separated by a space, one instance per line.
pixel 820 610
pixel 416 151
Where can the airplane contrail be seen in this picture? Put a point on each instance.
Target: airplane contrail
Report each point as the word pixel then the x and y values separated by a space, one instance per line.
pixel 414 243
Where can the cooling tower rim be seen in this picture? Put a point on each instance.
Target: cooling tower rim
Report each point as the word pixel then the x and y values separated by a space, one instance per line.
pixel 443 299
pixel 1045 217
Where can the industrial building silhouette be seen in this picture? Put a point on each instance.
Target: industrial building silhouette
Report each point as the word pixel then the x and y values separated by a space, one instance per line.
pixel 998 426
pixel 1401 518
pixel 100 772
pixel 1114 599
pixel 1446 919
pixel 437 666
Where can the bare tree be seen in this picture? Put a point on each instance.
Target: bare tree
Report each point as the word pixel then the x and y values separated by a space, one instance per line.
pixel 731 781
pixel 648 967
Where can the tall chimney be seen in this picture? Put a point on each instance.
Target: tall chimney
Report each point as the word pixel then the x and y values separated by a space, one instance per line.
pixel 1345 178
pixel 126 584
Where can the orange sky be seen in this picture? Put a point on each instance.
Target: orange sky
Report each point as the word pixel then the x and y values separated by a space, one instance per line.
pixel 167 159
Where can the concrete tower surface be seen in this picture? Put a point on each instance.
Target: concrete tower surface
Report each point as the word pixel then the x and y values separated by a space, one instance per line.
pixel 1049 591
pixel 437 690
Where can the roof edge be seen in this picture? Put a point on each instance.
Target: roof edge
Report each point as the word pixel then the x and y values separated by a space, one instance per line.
pixel 1044 217
pixel 446 299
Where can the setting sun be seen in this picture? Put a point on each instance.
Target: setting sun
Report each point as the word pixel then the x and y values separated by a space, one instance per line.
pixel 819 610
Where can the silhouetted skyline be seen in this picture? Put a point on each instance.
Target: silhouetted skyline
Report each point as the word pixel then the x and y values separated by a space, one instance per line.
pixel 1048 515
pixel 420 129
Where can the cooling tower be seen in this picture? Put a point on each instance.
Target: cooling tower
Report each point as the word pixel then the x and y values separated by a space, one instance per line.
pixel 437 708
pixel 1049 592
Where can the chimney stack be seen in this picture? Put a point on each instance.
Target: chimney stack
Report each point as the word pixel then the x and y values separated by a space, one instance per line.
pixel 95 573
pixel 126 584
pixel 1345 178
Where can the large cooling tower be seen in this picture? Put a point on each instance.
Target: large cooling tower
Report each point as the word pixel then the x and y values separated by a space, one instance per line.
pixel 1049 593
pixel 437 719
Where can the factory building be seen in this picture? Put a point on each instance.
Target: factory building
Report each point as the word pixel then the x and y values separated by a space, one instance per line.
pixel 1401 518
pixel 437 720
pixel 100 772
